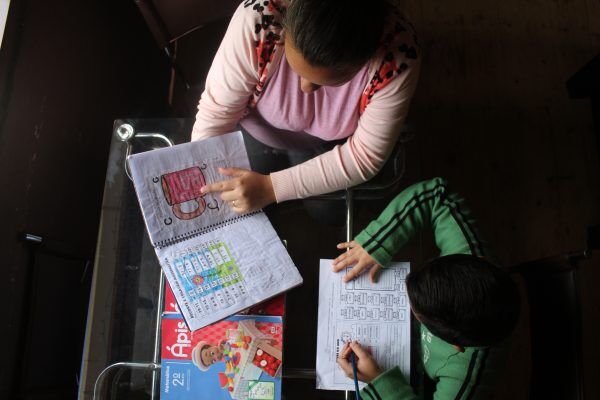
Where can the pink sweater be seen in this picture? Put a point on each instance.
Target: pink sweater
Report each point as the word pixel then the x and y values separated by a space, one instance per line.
pixel 329 113
pixel 243 66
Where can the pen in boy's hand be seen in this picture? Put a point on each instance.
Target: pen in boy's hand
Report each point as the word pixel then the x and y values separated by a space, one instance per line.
pixel 355 373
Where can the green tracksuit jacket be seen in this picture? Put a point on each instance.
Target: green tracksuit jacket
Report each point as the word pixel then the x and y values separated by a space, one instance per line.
pixel 456 375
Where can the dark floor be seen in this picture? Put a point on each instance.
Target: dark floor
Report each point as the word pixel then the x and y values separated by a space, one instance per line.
pixel 491 114
pixel 67 70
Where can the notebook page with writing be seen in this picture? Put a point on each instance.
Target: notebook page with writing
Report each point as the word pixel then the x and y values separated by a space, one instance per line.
pixel 227 270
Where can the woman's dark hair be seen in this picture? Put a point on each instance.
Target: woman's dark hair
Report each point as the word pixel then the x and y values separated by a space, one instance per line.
pixel 464 300
pixel 340 34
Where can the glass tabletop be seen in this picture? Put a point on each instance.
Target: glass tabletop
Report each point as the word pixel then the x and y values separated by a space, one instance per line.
pixel 123 329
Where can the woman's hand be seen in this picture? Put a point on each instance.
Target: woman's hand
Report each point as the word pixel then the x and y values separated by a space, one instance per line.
pixel 367 368
pixel 246 191
pixel 358 257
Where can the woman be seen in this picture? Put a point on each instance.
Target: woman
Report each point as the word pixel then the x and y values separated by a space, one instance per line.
pixel 330 69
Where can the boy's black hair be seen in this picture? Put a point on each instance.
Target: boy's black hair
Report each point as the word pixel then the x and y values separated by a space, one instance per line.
pixel 464 300
pixel 335 33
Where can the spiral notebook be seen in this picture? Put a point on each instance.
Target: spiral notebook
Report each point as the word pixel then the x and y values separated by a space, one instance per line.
pixel 216 261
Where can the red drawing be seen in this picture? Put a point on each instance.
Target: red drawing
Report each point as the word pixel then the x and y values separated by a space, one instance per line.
pixel 182 186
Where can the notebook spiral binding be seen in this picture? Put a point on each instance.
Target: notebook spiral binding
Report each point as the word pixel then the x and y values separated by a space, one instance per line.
pixel 200 231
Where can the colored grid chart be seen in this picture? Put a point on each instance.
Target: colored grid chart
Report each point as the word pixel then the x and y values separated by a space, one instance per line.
pixel 210 277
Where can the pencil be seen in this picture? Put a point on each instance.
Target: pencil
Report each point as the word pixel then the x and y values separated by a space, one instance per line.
pixel 353 361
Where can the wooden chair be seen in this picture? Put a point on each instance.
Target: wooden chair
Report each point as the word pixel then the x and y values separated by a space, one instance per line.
pixel 189 32
pixel 555 322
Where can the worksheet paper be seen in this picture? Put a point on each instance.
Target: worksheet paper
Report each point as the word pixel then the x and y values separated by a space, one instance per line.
pixel 216 261
pixel 375 314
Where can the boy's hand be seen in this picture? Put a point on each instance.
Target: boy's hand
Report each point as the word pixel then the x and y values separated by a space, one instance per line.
pixel 358 257
pixel 246 190
pixel 367 368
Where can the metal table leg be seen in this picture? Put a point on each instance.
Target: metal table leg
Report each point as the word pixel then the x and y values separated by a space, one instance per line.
pixel 154 366
pixel 156 354
pixel 349 234
pixel 297 373
pixel 131 365
pixel 349 214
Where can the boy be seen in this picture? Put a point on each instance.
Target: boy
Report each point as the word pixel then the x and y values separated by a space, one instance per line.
pixel 466 305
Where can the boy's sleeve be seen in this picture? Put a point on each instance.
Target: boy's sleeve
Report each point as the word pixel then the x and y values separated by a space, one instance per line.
pixel 428 203
pixel 455 382
pixel 390 385
pixel 462 382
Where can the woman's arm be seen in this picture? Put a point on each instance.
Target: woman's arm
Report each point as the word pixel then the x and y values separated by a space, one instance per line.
pixel 231 79
pixel 363 154
pixel 354 162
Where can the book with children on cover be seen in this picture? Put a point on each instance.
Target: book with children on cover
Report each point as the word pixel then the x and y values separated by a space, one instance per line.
pixel 216 261
pixel 238 358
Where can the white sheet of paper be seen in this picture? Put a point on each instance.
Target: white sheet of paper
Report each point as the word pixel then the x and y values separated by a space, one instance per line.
pixel 216 261
pixel 375 314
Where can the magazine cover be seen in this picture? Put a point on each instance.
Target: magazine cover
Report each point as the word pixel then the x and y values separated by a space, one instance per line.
pixel 274 306
pixel 238 358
